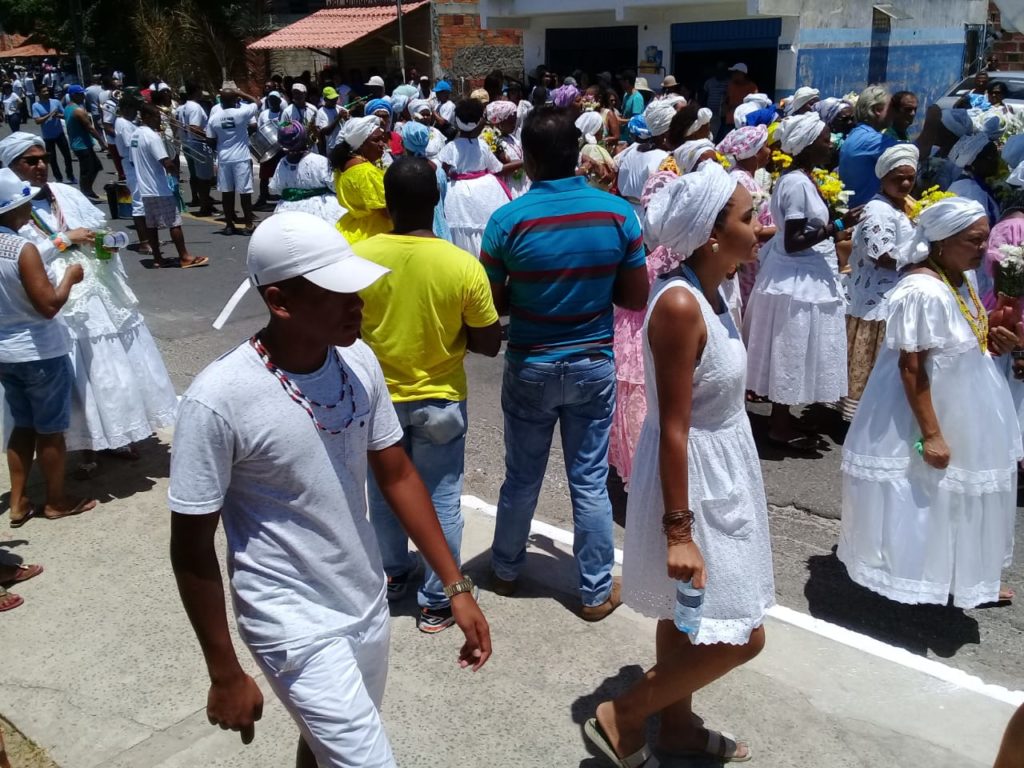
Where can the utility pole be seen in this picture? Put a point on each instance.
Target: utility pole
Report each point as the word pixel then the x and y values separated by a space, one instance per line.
pixel 401 42
pixel 76 24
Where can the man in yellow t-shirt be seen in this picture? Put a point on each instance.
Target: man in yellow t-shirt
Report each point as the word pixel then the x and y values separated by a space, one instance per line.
pixel 420 321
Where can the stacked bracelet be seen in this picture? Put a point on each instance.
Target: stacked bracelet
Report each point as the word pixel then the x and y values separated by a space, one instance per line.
pixel 677 525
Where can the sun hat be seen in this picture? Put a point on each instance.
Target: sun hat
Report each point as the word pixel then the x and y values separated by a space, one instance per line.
pixel 330 93
pixel 641 85
pixel 669 82
pixel 442 86
pixel 14 192
pixel 298 244
pixel 375 82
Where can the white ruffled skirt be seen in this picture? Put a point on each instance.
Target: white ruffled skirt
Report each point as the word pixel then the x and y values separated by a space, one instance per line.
pixel 325 207
pixel 916 534
pixel 794 326
pixel 468 206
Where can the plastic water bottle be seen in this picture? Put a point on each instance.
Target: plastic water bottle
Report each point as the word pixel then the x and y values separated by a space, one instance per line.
pixel 689 608
pixel 107 241
pixel 115 241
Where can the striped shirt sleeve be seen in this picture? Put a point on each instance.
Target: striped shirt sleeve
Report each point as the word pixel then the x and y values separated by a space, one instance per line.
pixel 492 252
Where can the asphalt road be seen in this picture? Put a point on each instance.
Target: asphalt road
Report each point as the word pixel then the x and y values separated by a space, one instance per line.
pixel 804 493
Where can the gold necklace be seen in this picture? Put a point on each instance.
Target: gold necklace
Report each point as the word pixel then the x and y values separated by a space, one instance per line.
pixel 979 323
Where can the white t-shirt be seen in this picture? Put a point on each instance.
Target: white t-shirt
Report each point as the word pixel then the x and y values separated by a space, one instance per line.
pixel 147 150
pixel 231 129
pixel 12 104
pixel 93 99
pixel 324 117
pixel 447 111
pixel 268 116
pixel 302 553
pixel 124 129
pixel 192 114
pixel 305 115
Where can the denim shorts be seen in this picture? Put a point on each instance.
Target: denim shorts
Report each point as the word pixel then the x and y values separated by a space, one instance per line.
pixel 39 393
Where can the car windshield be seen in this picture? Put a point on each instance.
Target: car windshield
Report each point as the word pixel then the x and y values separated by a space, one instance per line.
pixel 1014 87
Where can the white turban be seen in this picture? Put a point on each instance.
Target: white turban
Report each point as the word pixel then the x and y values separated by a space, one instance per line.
pixel 798 132
pixel 689 153
pixel 416 108
pixel 357 130
pixel 704 116
pixel 751 103
pixel 830 108
pixel 896 157
pixel 658 116
pixel 590 124
pixel 1013 154
pixel 801 99
pixel 682 214
pixel 957 121
pixel 436 143
pixel 940 221
pixel 16 145
pixel 990 125
pixel 967 149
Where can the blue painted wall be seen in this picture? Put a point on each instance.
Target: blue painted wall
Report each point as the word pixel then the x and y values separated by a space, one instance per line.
pixel 928 70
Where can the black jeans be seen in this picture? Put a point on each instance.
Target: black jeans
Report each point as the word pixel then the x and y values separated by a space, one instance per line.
pixel 61 143
pixel 88 168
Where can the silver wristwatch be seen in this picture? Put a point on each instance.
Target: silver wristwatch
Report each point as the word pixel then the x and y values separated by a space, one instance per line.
pixel 465 584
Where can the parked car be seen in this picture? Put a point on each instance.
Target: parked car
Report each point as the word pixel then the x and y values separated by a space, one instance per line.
pixel 1014 82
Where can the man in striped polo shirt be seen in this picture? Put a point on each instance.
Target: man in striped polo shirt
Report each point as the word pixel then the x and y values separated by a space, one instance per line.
pixel 558 258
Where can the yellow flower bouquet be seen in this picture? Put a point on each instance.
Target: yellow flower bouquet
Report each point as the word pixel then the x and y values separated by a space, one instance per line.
pixel 927 199
pixel 836 196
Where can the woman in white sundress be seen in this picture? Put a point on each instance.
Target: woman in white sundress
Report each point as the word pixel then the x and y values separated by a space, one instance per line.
pixel 795 320
pixel 474 189
pixel 930 461
pixel 705 521
pixel 303 179
pixel 122 392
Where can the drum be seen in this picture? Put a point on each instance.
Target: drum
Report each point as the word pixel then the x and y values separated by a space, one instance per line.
pixel 263 144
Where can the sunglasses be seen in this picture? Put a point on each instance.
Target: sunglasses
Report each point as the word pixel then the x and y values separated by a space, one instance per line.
pixel 32 162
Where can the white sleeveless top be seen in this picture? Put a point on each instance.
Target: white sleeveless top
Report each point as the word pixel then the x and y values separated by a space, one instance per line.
pixel 25 335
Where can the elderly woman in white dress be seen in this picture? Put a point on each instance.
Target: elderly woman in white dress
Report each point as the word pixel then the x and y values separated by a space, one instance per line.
pixel 794 323
pixel 705 519
pixel 930 478
pixel 122 393
pixel 884 234
pixel 303 179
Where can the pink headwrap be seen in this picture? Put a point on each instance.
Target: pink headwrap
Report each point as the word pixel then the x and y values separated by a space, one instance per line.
pixel 499 111
pixel 744 142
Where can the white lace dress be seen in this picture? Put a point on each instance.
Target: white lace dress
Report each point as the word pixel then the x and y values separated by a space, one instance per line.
pixel 122 391
pixel 474 192
pixel 312 173
pixel 726 494
pixel 910 532
pixel 795 322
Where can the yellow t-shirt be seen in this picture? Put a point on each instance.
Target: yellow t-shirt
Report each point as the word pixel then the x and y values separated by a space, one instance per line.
pixel 415 318
pixel 360 192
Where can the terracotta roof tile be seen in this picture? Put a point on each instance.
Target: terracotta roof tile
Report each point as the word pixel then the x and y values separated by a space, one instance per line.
pixel 332 27
pixel 26 51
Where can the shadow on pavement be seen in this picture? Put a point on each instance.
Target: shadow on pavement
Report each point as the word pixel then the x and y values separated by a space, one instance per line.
pixel 833 596
pixel 119 479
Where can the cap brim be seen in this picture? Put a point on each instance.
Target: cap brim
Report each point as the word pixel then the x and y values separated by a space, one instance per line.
pixel 350 275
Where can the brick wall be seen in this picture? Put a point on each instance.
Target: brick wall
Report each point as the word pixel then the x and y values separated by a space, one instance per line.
pixel 1008 50
pixel 464 53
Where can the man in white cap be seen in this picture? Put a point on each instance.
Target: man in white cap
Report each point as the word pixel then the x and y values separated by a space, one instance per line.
pixel 376 87
pixel 229 128
pixel 300 110
pixel 740 86
pixel 274 438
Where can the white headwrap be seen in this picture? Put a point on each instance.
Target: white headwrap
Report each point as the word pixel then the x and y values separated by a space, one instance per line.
pixel 1013 154
pixel 357 130
pixel 16 145
pixel 798 132
pixel 682 214
pixel 436 143
pixel 830 108
pixel 658 116
pixel 940 221
pixel 967 149
pixel 467 127
pixel 801 98
pixel 957 121
pixel 416 107
pixel 751 103
pixel 990 125
pixel 689 153
pixel 896 157
pixel 590 124
pixel 704 116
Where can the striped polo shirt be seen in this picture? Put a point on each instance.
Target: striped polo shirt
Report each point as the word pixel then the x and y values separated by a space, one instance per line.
pixel 560 247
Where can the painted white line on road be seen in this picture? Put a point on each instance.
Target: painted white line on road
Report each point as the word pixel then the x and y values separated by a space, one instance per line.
pixel 833 632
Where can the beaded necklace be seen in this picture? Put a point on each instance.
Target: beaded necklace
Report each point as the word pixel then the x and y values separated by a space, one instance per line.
pixel 296 394
pixel 979 322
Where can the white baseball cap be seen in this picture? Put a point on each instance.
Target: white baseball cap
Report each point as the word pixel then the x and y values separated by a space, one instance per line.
pixel 375 81
pixel 297 244
pixel 741 67
pixel 299 87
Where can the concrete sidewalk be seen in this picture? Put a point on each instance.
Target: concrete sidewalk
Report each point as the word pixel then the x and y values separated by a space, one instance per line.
pixel 103 669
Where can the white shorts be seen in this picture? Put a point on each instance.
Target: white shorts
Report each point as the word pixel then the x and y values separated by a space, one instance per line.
pixel 235 177
pixel 333 689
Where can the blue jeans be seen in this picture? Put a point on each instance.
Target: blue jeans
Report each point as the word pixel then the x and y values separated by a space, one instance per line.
pixel 38 393
pixel 435 439
pixel 579 394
